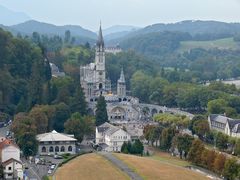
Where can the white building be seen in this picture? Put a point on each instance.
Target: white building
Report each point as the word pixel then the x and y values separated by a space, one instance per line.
pixel 113 49
pixel 10 159
pixel 226 125
pixel 111 138
pixel 56 143
pixel 13 169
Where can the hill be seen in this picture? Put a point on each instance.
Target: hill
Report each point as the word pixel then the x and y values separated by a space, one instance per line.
pixel 225 43
pixel 199 30
pixel 117 31
pixel 87 167
pixel 119 28
pixel 44 28
pixel 155 169
pixel 194 27
pixel 8 17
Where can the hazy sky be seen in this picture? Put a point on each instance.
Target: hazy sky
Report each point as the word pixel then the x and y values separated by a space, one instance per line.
pixel 88 13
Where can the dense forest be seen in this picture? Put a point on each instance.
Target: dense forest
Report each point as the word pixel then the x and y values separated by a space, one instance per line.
pixel 178 83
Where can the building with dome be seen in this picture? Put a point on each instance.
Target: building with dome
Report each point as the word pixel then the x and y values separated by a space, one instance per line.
pixel 121 108
pixel 94 82
pixel 56 143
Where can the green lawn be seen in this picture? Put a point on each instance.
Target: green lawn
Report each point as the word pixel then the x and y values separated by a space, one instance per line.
pixel 167 158
pixel 226 43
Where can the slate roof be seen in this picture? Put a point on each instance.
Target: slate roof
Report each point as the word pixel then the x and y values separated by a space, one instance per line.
pixel 55 136
pixel 9 161
pixel 219 118
pixel 107 128
pixel 234 124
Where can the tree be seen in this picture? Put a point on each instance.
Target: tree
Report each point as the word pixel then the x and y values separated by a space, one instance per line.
pixel 124 148
pixel 67 37
pixel 79 103
pixel 1 171
pixel 40 118
pixel 137 147
pixel 61 115
pixel 195 151
pixel 216 106
pixel 201 128
pixel 208 158
pixel 221 141
pixel 79 126
pixel 101 112
pixel 25 131
pixel 237 147
pixel 183 143
pixel 28 144
pixel 231 169
pixel 166 138
pixel 219 162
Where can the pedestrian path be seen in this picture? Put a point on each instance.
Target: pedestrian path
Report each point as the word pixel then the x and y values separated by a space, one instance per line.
pixel 121 165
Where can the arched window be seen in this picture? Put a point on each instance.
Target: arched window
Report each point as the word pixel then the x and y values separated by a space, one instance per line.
pixel 44 149
pixel 69 148
pixel 51 149
pixel 56 149
pixel 62 149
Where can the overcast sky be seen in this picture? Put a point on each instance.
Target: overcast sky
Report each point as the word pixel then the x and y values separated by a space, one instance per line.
pixel 88 13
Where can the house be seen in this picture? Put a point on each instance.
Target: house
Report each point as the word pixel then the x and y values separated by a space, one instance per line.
pixel 13 169
pixel 111 138
pixel 224 124
pixel 10 159
pixel 56 143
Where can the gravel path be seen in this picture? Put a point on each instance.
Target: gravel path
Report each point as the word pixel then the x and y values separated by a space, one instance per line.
pixel 121 165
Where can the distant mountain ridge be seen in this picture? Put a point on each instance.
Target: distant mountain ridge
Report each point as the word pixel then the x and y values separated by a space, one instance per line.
pixel 9 17
pixel 194 27
pixel 31 26
pixel 119 28
pixel 119 33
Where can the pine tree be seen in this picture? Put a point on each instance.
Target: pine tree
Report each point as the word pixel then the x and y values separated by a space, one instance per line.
pixel 79 103
pixel 101 112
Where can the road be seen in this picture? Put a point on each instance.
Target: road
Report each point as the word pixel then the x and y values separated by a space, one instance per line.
pixel 3 131
pixel 121 165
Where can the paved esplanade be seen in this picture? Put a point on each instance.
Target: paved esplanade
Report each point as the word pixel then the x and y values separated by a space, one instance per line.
pixel 121 165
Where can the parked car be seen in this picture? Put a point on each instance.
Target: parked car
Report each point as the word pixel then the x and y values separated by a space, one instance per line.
pixel 52 167
pixel 57 156
pixel 49 171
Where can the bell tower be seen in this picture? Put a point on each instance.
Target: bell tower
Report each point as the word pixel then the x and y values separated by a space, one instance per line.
pixel 121 85
pixel 100 62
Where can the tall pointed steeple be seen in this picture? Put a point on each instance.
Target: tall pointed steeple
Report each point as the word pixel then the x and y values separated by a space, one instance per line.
pixel 122 77
pixel 121 85
pixel 100 41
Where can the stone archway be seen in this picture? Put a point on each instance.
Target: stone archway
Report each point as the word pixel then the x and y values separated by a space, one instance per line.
pixel 118 113
pixel 154 111
pixel 146 110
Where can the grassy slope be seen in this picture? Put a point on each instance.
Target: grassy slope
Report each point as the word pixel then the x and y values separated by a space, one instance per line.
pixel 226 43
pixel 89 166
pixel 152 169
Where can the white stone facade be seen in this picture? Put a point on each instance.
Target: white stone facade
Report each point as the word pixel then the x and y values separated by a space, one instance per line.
pixel 56 143
pixel 9 152
pixel 111 138
pixel 13 169
pixel 226 125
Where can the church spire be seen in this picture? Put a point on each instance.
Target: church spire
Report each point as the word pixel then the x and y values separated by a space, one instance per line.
pixel 122 77
pixel 100 41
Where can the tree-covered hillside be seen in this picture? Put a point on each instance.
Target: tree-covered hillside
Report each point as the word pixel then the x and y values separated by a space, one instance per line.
pixel 24 74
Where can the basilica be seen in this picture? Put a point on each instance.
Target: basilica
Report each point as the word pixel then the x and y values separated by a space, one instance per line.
pixel 121 108
pixel 94 82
